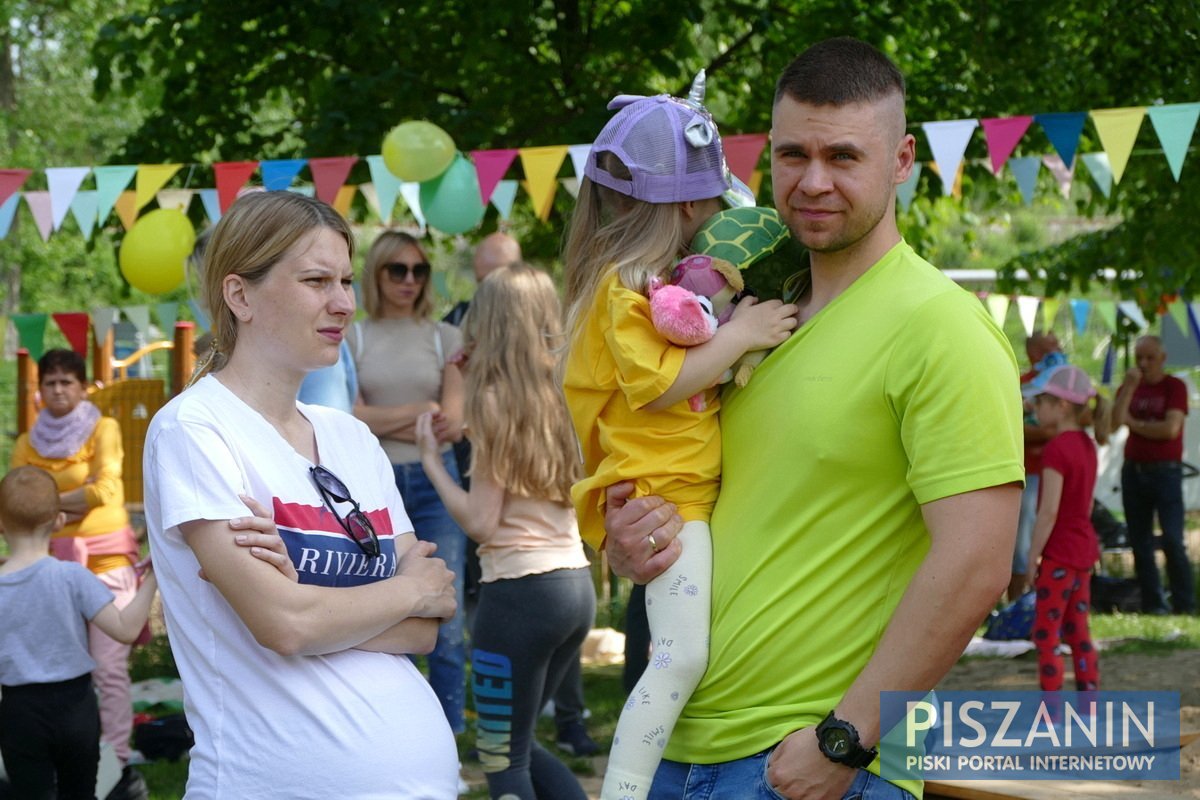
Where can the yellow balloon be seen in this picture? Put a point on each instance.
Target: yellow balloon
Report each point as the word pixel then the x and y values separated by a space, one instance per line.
pixel 417 150
pixel 153 253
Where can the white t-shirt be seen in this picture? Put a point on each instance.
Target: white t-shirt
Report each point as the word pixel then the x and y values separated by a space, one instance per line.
pixel 349 724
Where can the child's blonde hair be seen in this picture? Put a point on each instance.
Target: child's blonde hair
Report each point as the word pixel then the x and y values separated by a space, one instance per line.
pixel 611 232
pixel 515 410
pixel 28 500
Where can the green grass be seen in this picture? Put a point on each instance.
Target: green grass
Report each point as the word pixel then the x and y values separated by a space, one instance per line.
pixel 1146 634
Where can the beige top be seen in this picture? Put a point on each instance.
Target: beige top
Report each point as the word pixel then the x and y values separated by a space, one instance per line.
pixel 400 361
pixel 534 536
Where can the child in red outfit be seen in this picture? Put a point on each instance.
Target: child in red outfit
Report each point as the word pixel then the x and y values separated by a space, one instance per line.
pixel 1063 536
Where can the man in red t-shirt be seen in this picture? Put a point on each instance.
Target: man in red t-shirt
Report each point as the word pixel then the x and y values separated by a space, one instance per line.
pixel 1039 345
pixel 1153 405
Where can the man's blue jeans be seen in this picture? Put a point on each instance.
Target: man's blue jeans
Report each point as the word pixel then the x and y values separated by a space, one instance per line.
pixel 1147 487
pixel 433 523
pixel 746 779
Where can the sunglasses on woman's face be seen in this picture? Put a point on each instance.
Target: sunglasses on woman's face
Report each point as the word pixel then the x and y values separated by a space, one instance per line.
pixel 397 271
pixel 356 524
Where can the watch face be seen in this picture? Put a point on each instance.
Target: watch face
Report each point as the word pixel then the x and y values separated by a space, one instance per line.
pixel 837 741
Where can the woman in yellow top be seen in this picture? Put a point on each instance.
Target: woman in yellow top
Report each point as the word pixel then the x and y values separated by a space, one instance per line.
pixel 82 450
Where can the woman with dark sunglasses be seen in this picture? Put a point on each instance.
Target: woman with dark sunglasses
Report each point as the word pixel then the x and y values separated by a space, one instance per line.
pixel 297 681
pixel 401 354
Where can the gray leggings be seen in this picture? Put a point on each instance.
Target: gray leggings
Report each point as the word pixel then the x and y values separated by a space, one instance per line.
pixel 527 630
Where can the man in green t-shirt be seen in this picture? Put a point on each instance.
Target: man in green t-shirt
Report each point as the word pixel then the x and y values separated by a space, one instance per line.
pixel 871 474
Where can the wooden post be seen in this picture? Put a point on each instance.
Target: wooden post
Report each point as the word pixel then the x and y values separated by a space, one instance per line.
pixel 26 390
pixel 102 354
pixel 183 360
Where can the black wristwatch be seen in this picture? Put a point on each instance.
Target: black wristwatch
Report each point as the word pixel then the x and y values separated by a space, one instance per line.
pixel 839 742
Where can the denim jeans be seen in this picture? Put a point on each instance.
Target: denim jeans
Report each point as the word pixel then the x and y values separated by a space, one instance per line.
pixel 433 523
pixel 746 779
pixel 1147 488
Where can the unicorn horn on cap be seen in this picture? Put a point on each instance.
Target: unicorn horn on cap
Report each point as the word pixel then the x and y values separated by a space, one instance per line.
pixel 696 95
pixel 699 132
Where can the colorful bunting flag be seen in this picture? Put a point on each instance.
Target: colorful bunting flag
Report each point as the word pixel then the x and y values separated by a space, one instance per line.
pixel 102 322
pixel 490 166
pixel 167 314
pixel 386 187
pixel 345 197
pixel 1063 129
pixel 1080 310
pixel 1118 129
pixel 278 174
pixel 1107 309
pixel 83 209
pixel 200 315
pixel 74 326
pixel 139 316
pixel 178 199
pixel 1175 125
pixel 31 333
pixel 11 180
pixel 151 178
pixel 39 206
pixel 1063 175
pixel 1050 307
pixel 571 184
pixel 8 210
pixel 1131 312
pixel 579 156
pixel 503 197
pixel 1027 310
pixel 948 141
pixel 997 305
pixel 127 209
pixel 1179 312
pixel 541 166
pixel 1002 135
pixel 1025 170
pixel 63 183
pixel 1097 164
pixel 212 205
pixel 231 176
pixel 329 175
pixel 110 182
pixel 411 192
pixel 907 190
pixel 742 153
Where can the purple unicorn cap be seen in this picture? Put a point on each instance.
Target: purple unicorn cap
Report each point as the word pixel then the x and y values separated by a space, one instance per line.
pixel 671 147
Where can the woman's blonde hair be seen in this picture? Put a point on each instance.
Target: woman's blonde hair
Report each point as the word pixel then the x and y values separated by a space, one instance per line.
pixel 381 252
pixel 252 237
pixel 611 232
pixel 515 410
pixel 1097 414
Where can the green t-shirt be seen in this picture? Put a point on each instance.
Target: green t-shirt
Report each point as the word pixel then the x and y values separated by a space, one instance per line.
pixel 899 392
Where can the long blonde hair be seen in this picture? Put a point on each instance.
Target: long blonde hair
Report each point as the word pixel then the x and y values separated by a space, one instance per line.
pixel 381 252
pixel 252 237
pixel 611 232
pixel 515 410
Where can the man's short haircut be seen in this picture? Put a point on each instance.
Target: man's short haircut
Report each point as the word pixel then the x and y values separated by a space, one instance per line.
pixel 28 499
pixel 839 72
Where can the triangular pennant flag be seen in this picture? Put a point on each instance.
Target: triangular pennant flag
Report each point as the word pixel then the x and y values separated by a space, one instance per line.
pixel 39 206
pixel 1027 310
pixel 74 325
pixel 345 197
pixel 63 183
pixel 1175 125
pixel 167 314
pixel 278 174
pixel 1134 314
pixel 306 189
pixel 579 156
pixel 231 176
pixel 386 186
pixel 1118 129
pixel 755 182
pixel 151 178
pixel 200 315
pixel 8 210
pixel 997 305
pixel 1063 128
pixel 31 333
pixel 102 322
pixel 1002 135
pixel 11 180
pixel 411 192
pixel 1110 363
pixel 490 166
pixel 178 199
pixel 948 141
pixel 126 206
pixel 1080 310
pixel 439 284
pixel 1049 312
pixel 368 192
pixel 139 316
pixel 1179 312
pixel 110 182
pixel 571 185
pixel 1025 170
pixel 503 197
pixel 329 175
pixel 907 190
pixel 1097 164
pixel 212 206
pixel 742 152
pixel 83 209
pixel 1063 175
pixel 1107 309
pixel 541 166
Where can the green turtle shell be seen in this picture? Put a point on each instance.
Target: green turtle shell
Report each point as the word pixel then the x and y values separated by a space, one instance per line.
pixel 756 241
